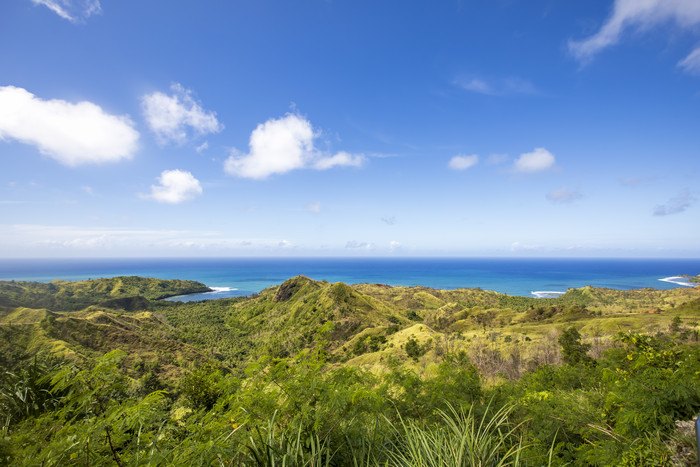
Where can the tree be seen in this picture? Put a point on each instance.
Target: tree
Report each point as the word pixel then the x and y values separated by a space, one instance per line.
pixel 572 349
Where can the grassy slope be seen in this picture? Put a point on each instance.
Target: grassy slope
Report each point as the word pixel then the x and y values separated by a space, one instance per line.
pixel 284 319
pixel 494 329
pixel 31 321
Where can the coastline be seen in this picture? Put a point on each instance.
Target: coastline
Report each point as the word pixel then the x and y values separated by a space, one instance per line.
pixel 679 280
pixel 240 277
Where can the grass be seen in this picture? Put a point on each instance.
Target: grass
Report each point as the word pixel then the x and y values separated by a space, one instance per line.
pixel 462 439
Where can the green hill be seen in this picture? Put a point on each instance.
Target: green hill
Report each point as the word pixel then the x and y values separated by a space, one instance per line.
pixel 68 296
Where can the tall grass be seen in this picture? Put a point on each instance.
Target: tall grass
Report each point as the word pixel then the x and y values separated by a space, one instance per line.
pixel 287 448
pixel 463 439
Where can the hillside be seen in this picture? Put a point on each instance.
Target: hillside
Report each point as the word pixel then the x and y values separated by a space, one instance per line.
pixel 117 292
pixel 370 324
pixel 365 324
pixel 316 373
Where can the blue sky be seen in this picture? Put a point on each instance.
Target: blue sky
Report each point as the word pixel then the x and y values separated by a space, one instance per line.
pixel 328 128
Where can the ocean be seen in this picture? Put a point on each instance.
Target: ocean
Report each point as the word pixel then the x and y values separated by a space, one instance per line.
pixel 242 277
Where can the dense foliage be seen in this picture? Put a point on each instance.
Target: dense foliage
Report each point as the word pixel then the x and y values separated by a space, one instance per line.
pixel 311 373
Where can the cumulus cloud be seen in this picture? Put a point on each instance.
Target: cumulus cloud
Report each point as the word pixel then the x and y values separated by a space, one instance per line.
pixel 394 245
pixel 638 15
pixel 675 205
pixel 175 186
pixel 73 11
pixel 563 195
pixel 462 162
pixel 284 144
pixel 73 134
pixel 177 117
pixel 536 161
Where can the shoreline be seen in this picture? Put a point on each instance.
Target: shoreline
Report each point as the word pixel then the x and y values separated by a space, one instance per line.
pixel 678 280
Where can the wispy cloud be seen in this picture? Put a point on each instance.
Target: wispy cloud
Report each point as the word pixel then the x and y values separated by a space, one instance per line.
pixel 355 245
pixel 66 239
pixel 176 117
pixel 389 220
pixel 563 195
pixel 284 144
pixel 641 15
pixel 463 162
pixel 475 85
pixel 174 187
pixel 72 134
pixel 691 63
pixel 497 159
pixel 202 147
pixel 314 207
pixel 71 10
pixel 519 246
pixel 538 160
pixel 496 87
pixel 675 205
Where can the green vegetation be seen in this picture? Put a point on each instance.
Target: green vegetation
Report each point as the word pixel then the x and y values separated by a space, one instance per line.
pixel 125 292
pixel 313 373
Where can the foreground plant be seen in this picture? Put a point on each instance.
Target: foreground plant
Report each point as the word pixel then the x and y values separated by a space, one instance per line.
pixel 463 439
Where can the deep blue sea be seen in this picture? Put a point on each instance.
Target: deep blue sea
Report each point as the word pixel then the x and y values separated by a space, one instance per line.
pixel 242 277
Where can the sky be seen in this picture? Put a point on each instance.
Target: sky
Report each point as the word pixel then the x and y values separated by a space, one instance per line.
pixel 324 128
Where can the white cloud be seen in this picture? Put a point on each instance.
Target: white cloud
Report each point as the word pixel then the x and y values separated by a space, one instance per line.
pixel 394 245
pixel 45 240
pixel 563 195
pixel 536 161
pixel 284 144
pixel 173 117
pixel 462 162
pixel 73 134
pixel 691 63
pixel 640 15
pixel 518 246
pixel 496 87
pixel 71 10
pixel 475 85
pixel 676 204
pixel 175 186
pixel 341 159
pixel 314 207
pixel 389 220
pixel 354 245
pixel 202 147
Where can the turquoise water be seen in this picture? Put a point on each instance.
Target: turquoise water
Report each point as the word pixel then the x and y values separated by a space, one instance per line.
pixel 242 277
